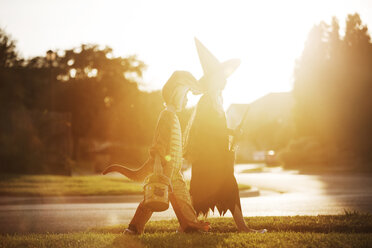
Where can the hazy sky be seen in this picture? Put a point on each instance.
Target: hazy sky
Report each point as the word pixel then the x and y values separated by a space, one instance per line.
pixel 267 36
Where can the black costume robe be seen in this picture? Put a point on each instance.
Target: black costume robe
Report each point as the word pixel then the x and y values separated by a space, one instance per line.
pixel 213 183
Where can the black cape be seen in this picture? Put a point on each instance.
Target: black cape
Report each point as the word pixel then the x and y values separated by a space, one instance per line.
pixel 213 183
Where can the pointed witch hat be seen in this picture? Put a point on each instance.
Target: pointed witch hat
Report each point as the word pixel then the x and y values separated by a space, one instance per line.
pixel 215 72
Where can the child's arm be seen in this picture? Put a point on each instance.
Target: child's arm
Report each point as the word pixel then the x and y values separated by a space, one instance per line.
pixel 162 142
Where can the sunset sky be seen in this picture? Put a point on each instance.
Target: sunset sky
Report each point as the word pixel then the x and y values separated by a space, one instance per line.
pixel 267 36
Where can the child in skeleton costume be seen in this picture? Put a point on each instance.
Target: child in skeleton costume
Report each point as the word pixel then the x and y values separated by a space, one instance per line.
pixel 213 183
pixel 167 145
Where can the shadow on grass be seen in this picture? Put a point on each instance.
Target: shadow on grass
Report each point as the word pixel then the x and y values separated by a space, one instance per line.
pixel 166 239
pixel 127 241
pixel 185 240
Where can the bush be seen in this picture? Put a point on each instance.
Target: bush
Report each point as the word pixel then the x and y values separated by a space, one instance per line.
pixel 305 153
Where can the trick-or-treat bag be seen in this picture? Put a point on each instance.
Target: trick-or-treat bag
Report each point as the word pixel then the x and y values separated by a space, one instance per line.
pixel 156 189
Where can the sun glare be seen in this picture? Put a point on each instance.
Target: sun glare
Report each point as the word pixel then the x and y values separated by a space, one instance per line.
pixel 267 36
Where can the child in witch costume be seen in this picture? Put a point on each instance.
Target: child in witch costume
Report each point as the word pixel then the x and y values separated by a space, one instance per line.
pixel 167 145
pixel 207 147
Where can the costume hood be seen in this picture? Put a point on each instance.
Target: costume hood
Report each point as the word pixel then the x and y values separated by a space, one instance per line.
pixel 178 78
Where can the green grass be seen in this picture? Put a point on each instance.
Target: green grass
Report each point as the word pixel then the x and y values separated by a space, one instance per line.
pixel 253 170
pixel 50 185
pixel 244 187
pixel 223 240
pixel 349 230
pixel 348 223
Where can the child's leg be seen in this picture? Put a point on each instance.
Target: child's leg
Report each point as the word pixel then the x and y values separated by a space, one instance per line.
pixel 140 218
pixel 181 202
pixel 239 221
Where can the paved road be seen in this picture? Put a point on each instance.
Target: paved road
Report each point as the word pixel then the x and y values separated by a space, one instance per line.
pixel 308 194
pixel 282 194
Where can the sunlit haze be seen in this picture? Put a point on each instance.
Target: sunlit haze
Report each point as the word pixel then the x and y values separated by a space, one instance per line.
pixel 267 36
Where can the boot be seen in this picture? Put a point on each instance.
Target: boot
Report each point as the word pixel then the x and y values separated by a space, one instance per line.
pixel 139 220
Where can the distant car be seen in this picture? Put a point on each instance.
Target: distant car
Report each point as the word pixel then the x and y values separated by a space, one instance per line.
pixel 271 158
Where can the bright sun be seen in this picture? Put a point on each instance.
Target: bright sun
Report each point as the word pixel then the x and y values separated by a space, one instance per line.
pixel 266 36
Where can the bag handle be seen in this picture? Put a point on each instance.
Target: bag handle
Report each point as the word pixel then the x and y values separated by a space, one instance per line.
pixel 158 168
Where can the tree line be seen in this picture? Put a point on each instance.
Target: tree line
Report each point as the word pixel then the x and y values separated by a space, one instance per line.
pixel 98 93
pixel 333 103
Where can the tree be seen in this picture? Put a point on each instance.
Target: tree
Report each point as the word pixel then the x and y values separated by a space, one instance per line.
pixel 95 97
pixel 332 89
pixel 20 143
pixel 8 53
pixel 100 89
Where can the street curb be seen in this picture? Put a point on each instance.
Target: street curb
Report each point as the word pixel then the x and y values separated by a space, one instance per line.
pixel 253 192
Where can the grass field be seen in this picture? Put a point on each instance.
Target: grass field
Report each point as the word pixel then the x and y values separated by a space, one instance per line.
pixel 50 185
pixel 349 230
